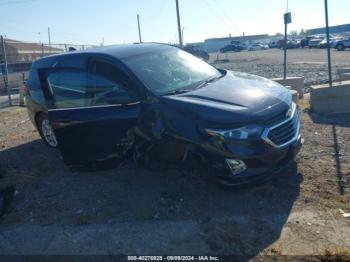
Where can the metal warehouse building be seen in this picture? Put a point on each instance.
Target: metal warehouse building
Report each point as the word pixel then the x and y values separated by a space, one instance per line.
pixel 337 29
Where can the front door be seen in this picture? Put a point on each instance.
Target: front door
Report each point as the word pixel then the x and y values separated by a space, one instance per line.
pixel 93 113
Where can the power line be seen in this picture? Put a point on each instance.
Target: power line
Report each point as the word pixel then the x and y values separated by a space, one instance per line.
pixel 39 28
pixel 157 30
pixel 22 30
pixel 217 14
pixel 16 2
pixel 228 17
pixel 155 15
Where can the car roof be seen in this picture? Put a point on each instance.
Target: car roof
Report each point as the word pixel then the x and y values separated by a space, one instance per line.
pixel 125 50
pixel 116 51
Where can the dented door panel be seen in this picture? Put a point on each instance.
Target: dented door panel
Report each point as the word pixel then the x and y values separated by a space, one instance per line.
pixel 87 135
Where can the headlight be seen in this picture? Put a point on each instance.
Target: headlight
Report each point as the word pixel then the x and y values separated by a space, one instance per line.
pixel 245 132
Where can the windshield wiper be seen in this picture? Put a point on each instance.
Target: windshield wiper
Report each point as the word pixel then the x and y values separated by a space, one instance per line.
pixel 201 84
pixel 209 80
pixel 214 78
pixel 178 91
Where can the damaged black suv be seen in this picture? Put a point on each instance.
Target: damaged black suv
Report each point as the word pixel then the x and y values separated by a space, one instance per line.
pixel 111 102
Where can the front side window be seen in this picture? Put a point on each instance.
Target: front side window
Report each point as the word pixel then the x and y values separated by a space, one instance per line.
pixel 75 88
pixel 170 70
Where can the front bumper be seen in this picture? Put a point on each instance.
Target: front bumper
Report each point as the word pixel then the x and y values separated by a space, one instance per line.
pixel 261 167
pixel 285 157
pixel 278 144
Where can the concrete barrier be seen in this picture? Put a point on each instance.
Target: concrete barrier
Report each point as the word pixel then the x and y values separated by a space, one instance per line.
pixel 330 100
pixel 295 96
pixel 344 77
pixel 296 83
pixel 343 70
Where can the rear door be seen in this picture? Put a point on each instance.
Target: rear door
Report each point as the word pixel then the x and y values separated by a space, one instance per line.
pixel 89 123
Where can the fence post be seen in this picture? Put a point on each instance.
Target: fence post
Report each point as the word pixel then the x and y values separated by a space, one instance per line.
pixel 328 45
pixel 285 52
pixel 6 73
pixel 21 94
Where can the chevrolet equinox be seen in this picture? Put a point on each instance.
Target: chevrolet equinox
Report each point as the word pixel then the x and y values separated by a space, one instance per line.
pixel 101 104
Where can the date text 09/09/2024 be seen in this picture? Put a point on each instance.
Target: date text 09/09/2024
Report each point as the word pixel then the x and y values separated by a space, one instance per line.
pixel 173 258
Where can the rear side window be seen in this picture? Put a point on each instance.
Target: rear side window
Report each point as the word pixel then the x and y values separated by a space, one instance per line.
pixel 33 81
pixel 75 88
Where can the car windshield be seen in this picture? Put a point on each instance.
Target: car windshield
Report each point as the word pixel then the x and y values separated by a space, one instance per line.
pixel 168 71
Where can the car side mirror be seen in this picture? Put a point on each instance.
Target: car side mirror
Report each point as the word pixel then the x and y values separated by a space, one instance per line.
pixel 119 97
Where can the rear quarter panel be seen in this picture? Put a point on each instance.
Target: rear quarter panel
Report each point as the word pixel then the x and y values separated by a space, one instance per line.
pixel 35 101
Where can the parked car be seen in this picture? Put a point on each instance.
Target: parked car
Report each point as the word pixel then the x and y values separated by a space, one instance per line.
pixel 197 52
pixel 342 44
pixel 273 44
pixel 293 44
pixel 323 43
pixel 255 47
pixel 280 43
pixel 232 48
pixel 125 101
pixel 305 41
pixel 315 42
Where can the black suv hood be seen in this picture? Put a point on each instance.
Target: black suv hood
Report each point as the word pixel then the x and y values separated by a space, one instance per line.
pixel 235 98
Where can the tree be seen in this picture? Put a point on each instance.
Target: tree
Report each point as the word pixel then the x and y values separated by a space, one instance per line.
pixel 303 32
pixel 278 34
pixel 293 32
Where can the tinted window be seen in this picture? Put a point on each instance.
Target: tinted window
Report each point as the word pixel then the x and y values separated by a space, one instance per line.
pixel 72 88
pixel 33 80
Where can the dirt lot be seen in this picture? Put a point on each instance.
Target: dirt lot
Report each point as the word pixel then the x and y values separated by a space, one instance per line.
pixel 310 63
pixel 178 211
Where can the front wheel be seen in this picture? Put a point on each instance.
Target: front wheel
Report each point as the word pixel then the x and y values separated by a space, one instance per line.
pixel 46 131
pixel 340 47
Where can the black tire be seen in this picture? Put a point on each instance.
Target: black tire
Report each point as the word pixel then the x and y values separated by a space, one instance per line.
pixel 45 131
pixel 340 47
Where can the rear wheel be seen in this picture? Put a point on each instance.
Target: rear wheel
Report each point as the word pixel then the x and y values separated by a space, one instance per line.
pixel 340 47
pixel 46 131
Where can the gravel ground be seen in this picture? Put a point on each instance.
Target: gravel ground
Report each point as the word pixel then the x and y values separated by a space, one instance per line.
pixel 310 63
pixel 181 210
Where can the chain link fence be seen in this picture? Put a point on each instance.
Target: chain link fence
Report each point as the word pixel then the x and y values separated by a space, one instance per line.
pixel 263 58
pixel 16 58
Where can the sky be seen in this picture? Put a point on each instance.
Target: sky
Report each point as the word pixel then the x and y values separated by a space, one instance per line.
pixel 114 21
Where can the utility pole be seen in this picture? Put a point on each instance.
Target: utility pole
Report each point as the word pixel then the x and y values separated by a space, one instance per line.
pixel 328 46
pixel 287 17
pixel 49 35
pixel 6 73
pixel 138 25
pixel 178 22
pixel 285 52
pixel 182 34
pixel 287 20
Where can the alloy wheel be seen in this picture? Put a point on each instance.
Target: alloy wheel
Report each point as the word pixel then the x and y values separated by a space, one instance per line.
pixel 48 133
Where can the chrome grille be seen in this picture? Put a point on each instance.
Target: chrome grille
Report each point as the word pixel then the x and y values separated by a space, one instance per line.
pixel 284 132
